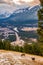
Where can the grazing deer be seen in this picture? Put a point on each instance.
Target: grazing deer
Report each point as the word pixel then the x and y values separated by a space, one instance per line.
pixel 23 54
pixel 33 58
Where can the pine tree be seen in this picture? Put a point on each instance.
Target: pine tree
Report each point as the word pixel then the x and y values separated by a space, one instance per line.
pixel 41 2
pixel 40 23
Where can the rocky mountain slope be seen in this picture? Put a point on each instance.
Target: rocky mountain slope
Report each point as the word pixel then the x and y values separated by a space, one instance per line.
pixel 6 10
pixel 19 14
pixel 15 58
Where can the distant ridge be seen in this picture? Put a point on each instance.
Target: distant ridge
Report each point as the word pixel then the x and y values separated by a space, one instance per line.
pixel 22 14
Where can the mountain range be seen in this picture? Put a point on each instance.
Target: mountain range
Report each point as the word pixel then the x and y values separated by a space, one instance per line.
pixel 20 16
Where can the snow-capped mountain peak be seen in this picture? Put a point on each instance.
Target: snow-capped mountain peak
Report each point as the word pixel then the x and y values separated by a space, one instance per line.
pixel 25 13
pixel 28 9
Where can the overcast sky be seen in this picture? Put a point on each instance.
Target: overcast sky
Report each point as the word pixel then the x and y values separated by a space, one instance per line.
pixel 20 2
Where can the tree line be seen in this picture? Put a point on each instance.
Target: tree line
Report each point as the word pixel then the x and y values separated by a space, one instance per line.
pixel 40 22
pixel 26 48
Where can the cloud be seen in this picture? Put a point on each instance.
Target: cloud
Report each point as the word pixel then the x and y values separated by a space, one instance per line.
pixel 28 2
pixel 20 2
pixel 6 1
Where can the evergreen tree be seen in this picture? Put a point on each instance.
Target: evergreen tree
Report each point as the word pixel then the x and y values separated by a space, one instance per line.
pixel 41 2
pixel 17 48
pixel 6 45
pixel 1 44
pixel 27 48
pixel 36 49
pixel 40 23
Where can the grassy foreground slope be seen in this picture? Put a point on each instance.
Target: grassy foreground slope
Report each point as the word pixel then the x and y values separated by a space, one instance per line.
pixel 15 58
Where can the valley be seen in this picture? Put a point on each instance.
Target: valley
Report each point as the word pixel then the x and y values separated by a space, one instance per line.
pixel 21 32
pixel 28 19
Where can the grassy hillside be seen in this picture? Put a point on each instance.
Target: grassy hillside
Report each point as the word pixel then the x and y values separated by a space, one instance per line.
pixel 16 58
